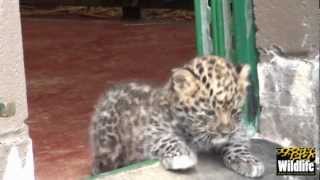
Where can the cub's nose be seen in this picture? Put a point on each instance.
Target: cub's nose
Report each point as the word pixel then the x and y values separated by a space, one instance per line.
pixel 225 128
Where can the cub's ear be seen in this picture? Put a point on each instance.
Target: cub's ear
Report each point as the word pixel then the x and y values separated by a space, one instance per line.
pixel 243 76
pixel 183 81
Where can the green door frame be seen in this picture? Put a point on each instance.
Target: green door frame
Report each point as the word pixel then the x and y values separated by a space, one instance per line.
pixel 226 28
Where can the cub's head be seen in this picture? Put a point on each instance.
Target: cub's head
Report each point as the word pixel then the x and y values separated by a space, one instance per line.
pixel 209 92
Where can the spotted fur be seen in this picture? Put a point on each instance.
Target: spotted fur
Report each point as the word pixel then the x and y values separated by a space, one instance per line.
pixel 196 110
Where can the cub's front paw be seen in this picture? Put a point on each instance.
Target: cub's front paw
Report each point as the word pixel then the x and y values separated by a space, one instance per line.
pixel 180 162
pixel 246 166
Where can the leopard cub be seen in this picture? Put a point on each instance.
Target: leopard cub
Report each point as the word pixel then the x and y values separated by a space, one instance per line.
pixel 196 110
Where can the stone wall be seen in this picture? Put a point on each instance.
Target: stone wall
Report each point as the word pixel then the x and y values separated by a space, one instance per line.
pixel 289 97
pixel 289 80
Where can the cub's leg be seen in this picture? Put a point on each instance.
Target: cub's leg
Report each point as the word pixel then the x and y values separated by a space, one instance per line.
pixel 236 156
pixel 106 146
pixel 107 152
pixel 172 152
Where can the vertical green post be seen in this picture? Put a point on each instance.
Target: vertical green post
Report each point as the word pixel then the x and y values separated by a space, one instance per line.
pixel 218 28
pixel 202 18
pixel 245 53
pixel 220 25
pixel 198 21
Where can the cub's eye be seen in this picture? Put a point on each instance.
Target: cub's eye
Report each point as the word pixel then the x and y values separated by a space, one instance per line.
pixel 234 112
pixel 209 112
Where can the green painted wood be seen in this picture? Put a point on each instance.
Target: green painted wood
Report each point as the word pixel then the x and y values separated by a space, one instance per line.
pixel 221 28
pixel 202 21
pixel 245 53
pixel 227 23
pixel 198 21
pixel 218 30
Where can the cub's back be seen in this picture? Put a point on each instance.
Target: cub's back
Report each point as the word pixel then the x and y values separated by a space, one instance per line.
pixel 117 126
pixel 121 107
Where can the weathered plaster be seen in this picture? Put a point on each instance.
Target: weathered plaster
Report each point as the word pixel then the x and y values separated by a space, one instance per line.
pixel 291 24
pixel 16 158
pixel 289 108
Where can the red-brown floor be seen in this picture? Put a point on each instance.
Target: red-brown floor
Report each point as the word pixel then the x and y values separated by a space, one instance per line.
pixel 69 62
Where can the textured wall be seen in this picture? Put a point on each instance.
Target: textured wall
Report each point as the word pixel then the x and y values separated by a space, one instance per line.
pixel 289 84
pixel 289 95
pixel 12 80
pixel 291 24
pixel 13 131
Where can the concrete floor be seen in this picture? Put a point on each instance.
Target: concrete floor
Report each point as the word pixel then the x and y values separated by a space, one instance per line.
pixel 209 167
pixel 69 62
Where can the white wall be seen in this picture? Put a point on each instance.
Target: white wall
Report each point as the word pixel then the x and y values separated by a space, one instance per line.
pixel 16 156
